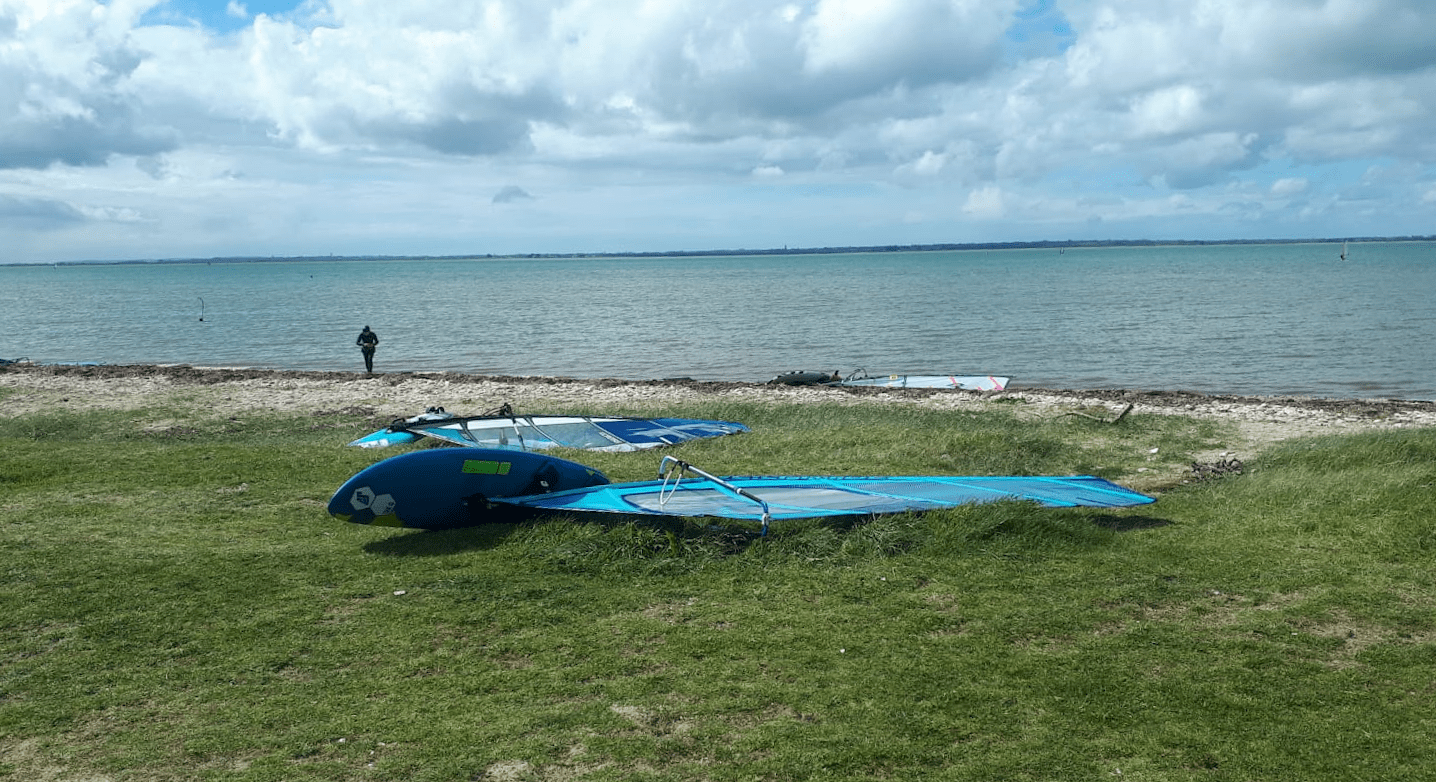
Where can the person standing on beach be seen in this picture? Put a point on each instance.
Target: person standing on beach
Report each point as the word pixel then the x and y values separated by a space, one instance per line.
pixel 367 342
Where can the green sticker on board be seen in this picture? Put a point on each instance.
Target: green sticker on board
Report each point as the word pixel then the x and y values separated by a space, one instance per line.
pixel 486 467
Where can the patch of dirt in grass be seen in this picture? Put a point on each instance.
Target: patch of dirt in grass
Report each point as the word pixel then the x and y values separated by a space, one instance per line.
pixel 1356 636
pixel 659 724
pixel 1218 610
pixel 673 612
pixel 25 758
pixel 507 771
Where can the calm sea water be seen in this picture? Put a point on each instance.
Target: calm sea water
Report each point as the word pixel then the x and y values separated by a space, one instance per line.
pixel 1243 319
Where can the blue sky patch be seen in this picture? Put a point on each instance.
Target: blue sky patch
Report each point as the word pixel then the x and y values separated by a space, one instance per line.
pixel 1039 29
pixel 220 16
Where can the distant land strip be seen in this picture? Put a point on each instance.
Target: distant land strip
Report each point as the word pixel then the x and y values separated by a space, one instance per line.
pixel 886 248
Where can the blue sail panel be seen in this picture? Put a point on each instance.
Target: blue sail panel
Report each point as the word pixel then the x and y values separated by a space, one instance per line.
pixel 810 497
pixel 665 431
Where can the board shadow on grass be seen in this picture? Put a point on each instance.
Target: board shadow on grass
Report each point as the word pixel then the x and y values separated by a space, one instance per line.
pixel 438 543
pixel 1128 523
pixel 605 537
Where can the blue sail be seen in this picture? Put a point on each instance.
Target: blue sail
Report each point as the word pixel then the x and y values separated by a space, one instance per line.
pixel 797 497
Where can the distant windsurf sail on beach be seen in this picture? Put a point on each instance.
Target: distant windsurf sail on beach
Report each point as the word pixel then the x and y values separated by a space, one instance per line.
pixel 862 378
pixel 964 382
pixel 458 487
pixel 506 430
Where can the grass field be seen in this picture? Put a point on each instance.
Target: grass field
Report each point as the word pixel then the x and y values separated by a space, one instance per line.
pixel 177 606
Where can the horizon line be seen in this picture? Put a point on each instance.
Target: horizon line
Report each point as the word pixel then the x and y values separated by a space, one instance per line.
pixel 835 250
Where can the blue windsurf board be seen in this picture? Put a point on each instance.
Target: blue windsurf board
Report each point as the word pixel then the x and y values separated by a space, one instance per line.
pixel 443 488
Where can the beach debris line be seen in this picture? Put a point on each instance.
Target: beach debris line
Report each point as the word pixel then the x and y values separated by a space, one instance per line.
pixel 505 429
pixel 446 488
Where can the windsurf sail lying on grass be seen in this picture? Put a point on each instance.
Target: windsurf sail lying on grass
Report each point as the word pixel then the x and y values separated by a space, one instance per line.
pixel 503 429
pixel 684 490
pixel 457 487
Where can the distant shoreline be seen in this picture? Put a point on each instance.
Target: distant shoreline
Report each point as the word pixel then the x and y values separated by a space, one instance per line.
pixel 1164 398
pixel 187 374
pixel 889 248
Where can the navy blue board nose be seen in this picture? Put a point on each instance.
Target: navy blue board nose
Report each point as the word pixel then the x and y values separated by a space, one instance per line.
pixel 444 488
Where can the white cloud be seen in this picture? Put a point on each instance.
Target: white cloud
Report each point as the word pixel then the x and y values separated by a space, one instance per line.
pixel 912 40
pixel 985 203
pixel 878 108
pixel 1287 187
pixel 64 85
pixel 1168 111
pixel 929 164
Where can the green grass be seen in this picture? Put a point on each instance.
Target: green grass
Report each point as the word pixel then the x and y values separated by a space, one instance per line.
pixel 177 606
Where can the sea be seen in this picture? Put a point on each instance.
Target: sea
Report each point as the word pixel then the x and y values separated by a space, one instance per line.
pixel 1249 319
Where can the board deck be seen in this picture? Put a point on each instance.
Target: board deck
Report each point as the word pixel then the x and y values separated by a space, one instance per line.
pixel 443 488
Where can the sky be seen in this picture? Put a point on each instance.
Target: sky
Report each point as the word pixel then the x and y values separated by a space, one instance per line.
pixel 145 129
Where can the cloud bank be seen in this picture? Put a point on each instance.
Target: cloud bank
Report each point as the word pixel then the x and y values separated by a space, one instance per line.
pixel 136 128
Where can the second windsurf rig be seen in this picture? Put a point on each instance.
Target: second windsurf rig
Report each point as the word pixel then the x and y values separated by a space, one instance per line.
pixel 504 429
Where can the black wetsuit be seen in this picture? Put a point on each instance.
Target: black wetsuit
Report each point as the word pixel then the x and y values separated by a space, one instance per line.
pixel 367 341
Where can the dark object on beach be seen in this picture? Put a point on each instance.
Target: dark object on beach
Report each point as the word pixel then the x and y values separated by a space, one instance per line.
pixel 367 342
pixel 805 378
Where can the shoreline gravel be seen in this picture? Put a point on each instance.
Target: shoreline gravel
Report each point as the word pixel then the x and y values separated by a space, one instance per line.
pixel 1260 420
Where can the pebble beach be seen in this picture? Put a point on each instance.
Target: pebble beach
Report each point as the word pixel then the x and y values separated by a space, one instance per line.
pixel 1259 421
